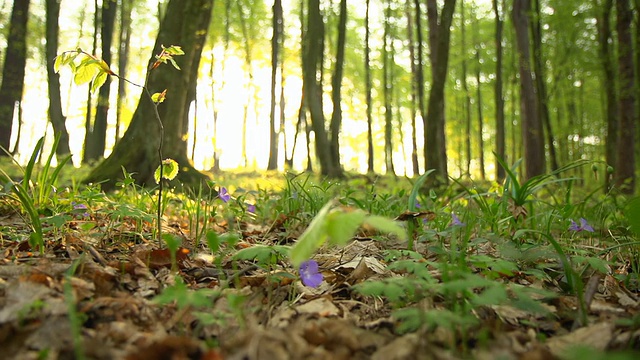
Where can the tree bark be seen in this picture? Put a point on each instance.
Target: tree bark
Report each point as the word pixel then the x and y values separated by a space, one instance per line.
pixel 609 84
pixel 435 150
pixel 479 101
pixel 415 166
pixel 368 86
pixel 124 38
pixel 532 134
pixel 13 70
pixel 276 45
pixel 422 107
pixel 336 88
pixel 312 79
pixel 466 108
pixel 95 147
pixel 499 98
pixel 88 124
pixel 387 70
pixel 541 86
pixel 625 171
pixel 137 151
pixel 57 118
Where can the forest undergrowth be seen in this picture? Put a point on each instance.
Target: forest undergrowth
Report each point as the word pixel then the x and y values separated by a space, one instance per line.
pixel 289 266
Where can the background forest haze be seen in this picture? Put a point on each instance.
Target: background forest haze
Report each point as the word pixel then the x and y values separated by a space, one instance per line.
pixel 382 86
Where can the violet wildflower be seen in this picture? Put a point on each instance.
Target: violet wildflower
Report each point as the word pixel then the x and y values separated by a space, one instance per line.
pixel 251 208
pixel 584 225
pixel 455 221
pixel 80 208
pixel 309 273
pixel 418 206
pixel 77 206
pixel 223 194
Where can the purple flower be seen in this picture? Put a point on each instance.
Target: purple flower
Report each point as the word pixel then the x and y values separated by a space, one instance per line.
pixel 309 273
pixel 251 208
pixel 80 207
pixel 223 194
pixel 455 221
pixel 418 206
pixel 584 225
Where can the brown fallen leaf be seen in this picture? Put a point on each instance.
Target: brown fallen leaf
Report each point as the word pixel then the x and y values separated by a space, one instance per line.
pixel 169 348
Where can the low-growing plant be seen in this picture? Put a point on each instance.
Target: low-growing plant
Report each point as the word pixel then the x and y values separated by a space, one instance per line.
pixel 35 196
pixel 95 70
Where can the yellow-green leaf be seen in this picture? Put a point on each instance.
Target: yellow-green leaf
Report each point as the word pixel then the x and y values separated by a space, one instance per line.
pixel 98 81
pixel 169 170
pixel 159 97
pixel 342 225
pixel 84 73
pixel 173 50
pixel 386 225
pixel 312 238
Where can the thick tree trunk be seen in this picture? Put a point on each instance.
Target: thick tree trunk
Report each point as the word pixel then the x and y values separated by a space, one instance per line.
pixel 625 171
pixel 336 87
pixel 422 107
pixel 435 150
pixel 57 118
pixel 13 70
pixel 499 98
pixel 137 151
pixel 532 134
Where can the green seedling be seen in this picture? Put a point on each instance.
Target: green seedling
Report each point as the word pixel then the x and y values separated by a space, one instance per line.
pixel 95 70
pixel 35 197
pixel 337 225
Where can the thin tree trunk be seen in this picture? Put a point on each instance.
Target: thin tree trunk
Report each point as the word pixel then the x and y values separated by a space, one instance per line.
pixel 439 36
pixel 88 126
pixel 387 80
pixel 608 84
pixel 541 87
pixel 249 65
pixel 13 70
pixel 336 89
pixel 276 25
pixel 499 99
pixel 422 107
pixel 415 166
pixel 368 86
pixel 479 102
pixel 57 118
pixel 466 109
pixel 96 146
pixel 123 59
pixel 532 133
pixel 625 171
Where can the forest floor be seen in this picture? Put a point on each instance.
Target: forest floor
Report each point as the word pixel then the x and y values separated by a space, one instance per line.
pixel 104 289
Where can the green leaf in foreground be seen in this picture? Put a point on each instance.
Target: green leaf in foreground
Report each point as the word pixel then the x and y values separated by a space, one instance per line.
pixel 632 213
pixel 338 225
